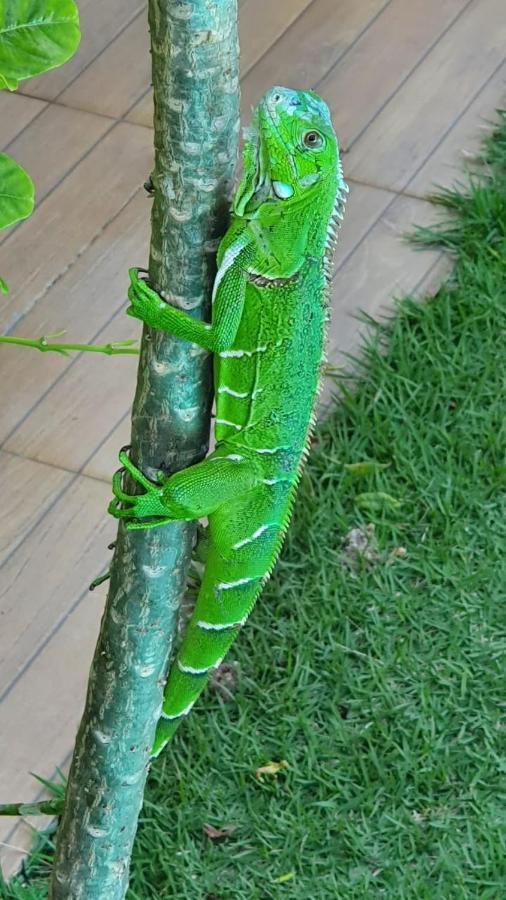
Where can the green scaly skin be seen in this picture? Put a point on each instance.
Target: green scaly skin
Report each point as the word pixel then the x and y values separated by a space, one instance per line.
pixel 267 334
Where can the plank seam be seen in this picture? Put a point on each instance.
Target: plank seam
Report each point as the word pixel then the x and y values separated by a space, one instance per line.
pixel 114 124
pixel 54 100
pixel 353 44
pixel 339 58
pixel 417 170
pixel 287 29
pixel 429 270
pixel 59 377
pixel 57 466
pixel 77 356
pixel 59 494
pixel 140 11
pixel 402 191
pixel 42 646
pixel 39 297
pixel 408 75
pixel 45 104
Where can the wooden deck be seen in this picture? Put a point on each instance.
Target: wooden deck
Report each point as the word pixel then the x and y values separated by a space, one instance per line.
pixel 410 85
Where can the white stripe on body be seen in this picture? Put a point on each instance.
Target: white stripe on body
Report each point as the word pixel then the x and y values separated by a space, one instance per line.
pixel 184 712
pixel 236 354
pixel 227 261
pixel 220 626
pixel 228 585
pixel 226 390
pixel 190 670
pixel 268 449
pixel 226 422
pixel 256 534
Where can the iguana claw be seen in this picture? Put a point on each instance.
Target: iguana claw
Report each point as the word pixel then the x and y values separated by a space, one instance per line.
pixel 137 506
pixel 145 303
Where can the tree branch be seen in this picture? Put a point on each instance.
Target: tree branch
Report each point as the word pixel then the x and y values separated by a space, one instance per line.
pixel 195 78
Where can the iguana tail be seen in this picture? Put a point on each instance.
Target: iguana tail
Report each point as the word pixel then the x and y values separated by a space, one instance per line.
pixel 223 605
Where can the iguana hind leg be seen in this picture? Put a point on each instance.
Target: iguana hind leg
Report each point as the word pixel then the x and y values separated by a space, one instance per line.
pixel 190 494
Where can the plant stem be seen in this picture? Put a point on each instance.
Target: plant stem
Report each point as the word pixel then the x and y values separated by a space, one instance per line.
pixel 42 344
pixel 195 78
pixel 43 808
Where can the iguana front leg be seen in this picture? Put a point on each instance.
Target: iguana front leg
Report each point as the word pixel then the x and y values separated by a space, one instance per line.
pixel 190 494
pixel 228 300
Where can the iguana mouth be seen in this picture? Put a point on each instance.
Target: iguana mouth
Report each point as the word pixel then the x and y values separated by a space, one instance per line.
pixel 262 188
pixel 256 188
pixel 263 184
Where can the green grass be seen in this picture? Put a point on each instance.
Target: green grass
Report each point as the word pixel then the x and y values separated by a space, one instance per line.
pixel 381 683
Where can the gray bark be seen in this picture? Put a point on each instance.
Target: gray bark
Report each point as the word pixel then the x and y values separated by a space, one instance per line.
pixel 195 78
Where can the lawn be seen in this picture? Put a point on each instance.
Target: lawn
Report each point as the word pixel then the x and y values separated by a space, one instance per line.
pixel 374 664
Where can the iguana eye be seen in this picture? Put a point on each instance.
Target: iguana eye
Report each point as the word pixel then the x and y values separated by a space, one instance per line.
pixel 312 140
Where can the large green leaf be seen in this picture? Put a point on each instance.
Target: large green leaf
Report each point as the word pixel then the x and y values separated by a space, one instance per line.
pixel 35 35
pixel 17 194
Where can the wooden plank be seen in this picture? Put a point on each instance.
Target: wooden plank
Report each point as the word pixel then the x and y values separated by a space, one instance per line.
pixel 400 138
pixel 39 719
pixel 125 67
pixel 65 134
pixel 142 112
pixel 363 207
pixel 100 23
pixel 381 267
pixel 38 254
pixel 435 275
pixel 82 301
pixel 87 403
pixel 50 570
pixel 381 59
pixel 104 460
pixel 461 143
pixel 16 112
pixel 261 24
pixel 312 46
pixel 27 490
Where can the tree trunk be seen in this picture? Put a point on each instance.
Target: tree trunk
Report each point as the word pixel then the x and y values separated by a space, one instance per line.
pixel 195 78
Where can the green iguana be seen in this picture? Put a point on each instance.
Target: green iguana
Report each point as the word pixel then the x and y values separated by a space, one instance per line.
pixel 267 333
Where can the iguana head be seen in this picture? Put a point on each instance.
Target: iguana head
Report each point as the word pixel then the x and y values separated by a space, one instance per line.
pixel 291 152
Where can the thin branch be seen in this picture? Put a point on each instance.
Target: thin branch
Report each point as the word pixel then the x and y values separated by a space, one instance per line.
pixel 52 807
pixel 116 348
